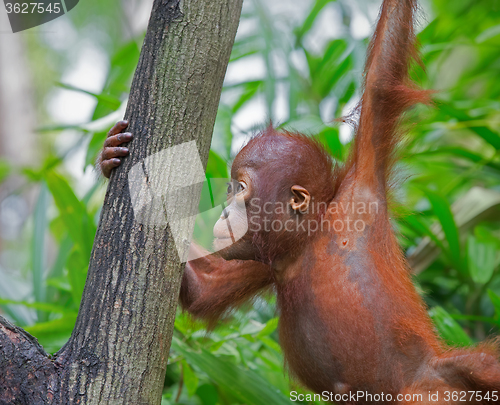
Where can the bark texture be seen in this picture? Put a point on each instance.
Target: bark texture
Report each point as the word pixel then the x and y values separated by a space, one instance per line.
pixel 118 351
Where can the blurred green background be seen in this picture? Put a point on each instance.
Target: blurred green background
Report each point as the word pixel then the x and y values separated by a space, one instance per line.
pixel 299 64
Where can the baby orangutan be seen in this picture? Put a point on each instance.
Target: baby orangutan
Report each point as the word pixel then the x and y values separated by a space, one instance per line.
pixel 351 321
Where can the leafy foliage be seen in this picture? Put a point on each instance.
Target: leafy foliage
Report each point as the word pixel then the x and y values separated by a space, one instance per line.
pixel 448 206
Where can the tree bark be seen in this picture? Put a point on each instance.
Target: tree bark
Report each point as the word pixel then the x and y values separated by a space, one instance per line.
pixel 118 350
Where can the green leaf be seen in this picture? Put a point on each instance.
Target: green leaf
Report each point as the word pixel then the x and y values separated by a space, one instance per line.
pixel 73 213
pixel 244 385
pixel 442 210
pixel 11 287
pixel 271 343
pixel 208 394
pixel 461 153
pixel 4 169
pixel 64 324
pixel 95 145
pixel 249 91
pixel 327 71
pixel 38 247
pixel 190 378
pixel 61 283
pixel 415 223
pixel 36 175
pixel 448 328
pixel 483 234
pixel 223 136
pixel 65 247
pixel 247 46
pixel 329 138
pixel 348 93
pixel 310 19
pixel 122 68
pixel 482 259
pixel 216 166
pixel 270 327
pixel 252 328
pixel 111 102
pixel 484 132
pixel 476 318
pixel 40 306
pixel 61 127
pixel 53 334
pixel 495 299
pixel 77 266
pixel 487 34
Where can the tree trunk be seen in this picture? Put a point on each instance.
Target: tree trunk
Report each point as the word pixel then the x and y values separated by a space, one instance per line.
pixel 118 351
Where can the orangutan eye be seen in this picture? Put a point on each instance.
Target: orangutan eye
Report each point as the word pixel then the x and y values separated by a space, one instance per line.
pixel 229 188
pixel 240 187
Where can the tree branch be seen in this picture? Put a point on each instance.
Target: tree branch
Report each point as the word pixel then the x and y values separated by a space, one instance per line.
pixel 118 349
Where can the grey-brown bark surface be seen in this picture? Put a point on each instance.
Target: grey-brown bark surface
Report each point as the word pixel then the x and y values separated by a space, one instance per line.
pixel 118 351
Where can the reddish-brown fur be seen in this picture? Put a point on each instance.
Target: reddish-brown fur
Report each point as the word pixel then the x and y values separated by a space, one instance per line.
pixel 211 285
pixel 351 319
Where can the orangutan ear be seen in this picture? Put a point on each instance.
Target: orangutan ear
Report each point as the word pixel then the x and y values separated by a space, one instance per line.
pixel 301 199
